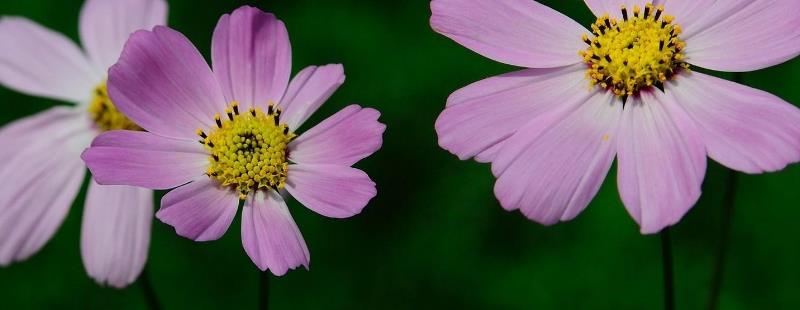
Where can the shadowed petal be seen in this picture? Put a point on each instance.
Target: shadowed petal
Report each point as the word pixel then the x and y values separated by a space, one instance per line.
pixel 331 190
pixel 41 62
pixel 483 114
pixel 348 136
pixel 252 57
pixel 106 25
pixel 556 170
pixel 309 89
pixel 743 128
pixel 201 210
pixel 115 233
pixel 144 159
pixel 661 161
pixel 517 32
pixel 745 35
pixel 269 235
pixel 164 85
pixel 38 179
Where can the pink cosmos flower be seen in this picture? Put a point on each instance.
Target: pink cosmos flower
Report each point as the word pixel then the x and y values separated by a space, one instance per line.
pixel 624 90
pixel 42 171
pixel 244 113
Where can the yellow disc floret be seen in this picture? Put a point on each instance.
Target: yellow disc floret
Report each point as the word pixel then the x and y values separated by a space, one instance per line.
pixel 248 150
pixel 638 51
pixel 105 114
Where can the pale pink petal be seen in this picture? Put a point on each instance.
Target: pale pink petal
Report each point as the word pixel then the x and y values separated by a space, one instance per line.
pixel 269 235
pixel 162 83
pixel 746 35
pixel 38 180
pixel 115 233
pixel 309 89
pixel 201 210
pixel 106 25
pixel 41 62
pixel 688 13
pixel 330 190
pixel 348 136
pixel 557 170
pixel 612 7
pixel 661 161
pixel 743 128
pixel 144 159
pixel 252 56
pixel 517 32
pixel 483 114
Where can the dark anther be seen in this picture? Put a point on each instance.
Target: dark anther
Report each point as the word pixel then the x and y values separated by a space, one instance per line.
pixel 216 158
pixel 253 111
pixel 664 24
pixel 595 57
pixel 624 13
pixel 270 110
pixel 602 29
pixel 630 45
pixel 230 115
pixel 203 142
pixel 608 23
pixel 671 44
pixel 625 63
pixel 219 121
pixel 275 118
pixel 210 144
pixel 203 135
pixel 588 41
pixel 646 11
pixel 608 58
pixel 661 62
pixel 236 109
pixel 658 14
pixel 661 45
pixel 597 43
pixel 285 130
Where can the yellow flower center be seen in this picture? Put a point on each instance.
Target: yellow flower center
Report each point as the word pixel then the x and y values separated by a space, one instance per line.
pixel 636 52
pixel 248 151
pixel 105 114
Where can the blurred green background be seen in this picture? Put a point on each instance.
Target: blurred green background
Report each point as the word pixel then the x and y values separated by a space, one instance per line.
pixel 434 237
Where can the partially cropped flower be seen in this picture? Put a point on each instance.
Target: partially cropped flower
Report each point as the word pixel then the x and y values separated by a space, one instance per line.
pixel 625 89
pixel 244 114
pixel 41 170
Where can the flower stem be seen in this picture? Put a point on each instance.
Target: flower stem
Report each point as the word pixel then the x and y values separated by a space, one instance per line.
pixel 724 237
pixel 666 260
pixel 263 290
pixel 147 289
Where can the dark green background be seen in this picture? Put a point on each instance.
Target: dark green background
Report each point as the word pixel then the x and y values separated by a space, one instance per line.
pixel 434 236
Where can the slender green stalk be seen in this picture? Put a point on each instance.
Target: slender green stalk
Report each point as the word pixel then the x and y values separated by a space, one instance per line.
pixel 147 290
pixel 666 261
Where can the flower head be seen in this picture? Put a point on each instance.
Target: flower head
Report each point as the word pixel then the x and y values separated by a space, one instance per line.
pixel 622 89
pixel 42 171
pixel 245 114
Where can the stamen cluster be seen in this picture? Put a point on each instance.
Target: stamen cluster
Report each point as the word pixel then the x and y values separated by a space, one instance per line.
pixel 105 114
pixel 249 150
pixel 637 52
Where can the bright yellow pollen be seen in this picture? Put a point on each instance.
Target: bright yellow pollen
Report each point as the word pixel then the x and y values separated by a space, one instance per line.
pixel 637 52
pixel 105 114
pixel 248 150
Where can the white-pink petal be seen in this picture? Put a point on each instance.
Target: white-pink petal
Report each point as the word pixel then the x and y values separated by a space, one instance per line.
pixel 115 233
pixel 41 62
pixel 555 168
pixel 745 35
pixel 661 161
pixel 106 25
pixel 270 236
pixel 309 89
pixel 743 128
pixel 483 114
pixel 201 210
pixel 348 136
pixel 330 190
pixel 251 56
pixel 523 33
pixel 39 179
